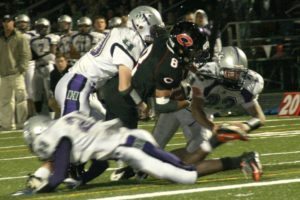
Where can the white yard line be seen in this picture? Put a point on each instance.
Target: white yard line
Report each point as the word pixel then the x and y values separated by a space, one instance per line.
pixel 16 146
pixel 17 158
pixel 8 132
pixel 8 138
pixel 197 190
pixel 282 163
pixel 279 153
pixel 10 178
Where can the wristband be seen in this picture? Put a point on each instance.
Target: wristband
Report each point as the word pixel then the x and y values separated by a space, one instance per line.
pixel 253 124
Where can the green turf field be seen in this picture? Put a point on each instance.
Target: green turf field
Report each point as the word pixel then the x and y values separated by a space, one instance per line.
pixel 277 142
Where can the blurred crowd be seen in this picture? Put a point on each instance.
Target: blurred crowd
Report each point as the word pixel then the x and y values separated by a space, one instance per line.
pixel 171 10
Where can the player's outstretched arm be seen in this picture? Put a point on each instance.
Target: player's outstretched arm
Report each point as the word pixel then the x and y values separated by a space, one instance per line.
pixel 60 166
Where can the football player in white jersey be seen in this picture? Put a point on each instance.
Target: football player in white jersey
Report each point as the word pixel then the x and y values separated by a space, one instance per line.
pixel 83 40
pixel 116 55
pixel 23 25
pixel 216 87
pixel 43 49
pixel 65 24
pixel 75 138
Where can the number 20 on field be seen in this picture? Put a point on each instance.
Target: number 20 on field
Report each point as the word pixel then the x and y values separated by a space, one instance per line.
pixel 290 105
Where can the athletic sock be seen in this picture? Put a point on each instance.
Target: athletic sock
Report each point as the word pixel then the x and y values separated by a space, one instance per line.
pixel 230 163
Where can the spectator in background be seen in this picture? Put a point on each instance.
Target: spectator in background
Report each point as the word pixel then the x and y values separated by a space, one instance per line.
pixel 100 25
pixel 84 39
pixel 60 68
pixel 22 23
pixel 201 20
pixel 65 24
pixel 43 48
pixel 124 20
pixel 14 57
pixel 189 17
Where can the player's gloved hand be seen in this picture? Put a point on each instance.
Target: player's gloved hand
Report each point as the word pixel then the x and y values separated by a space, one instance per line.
pixel 33 185
pixel 143 111
pixel 186 90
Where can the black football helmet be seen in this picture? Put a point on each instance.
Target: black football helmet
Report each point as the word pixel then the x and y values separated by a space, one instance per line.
pixel 189 43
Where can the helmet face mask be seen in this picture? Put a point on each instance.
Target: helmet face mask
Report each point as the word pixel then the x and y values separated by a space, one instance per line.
pixel 142 19
pixel 233 67
pixel 84 24
pixel 42 26
pixel 233 78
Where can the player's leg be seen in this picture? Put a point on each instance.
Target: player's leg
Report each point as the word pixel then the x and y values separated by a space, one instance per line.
pixel 29 88
pixel 195 136
pixel 248 162
pixel 72 93
pixel 21 103
pixel 37 90
pixel 7 103
pixel 166 126
pixel 150 163
pixel 96 169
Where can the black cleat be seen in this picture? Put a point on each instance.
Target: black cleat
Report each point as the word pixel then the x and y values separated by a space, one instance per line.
pixel 124 173
pixel 251 164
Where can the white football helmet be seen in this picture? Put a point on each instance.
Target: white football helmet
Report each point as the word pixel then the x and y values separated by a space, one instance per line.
pixel 84 21
pixel 42 26
pixel 34 127
pixel 114 22
pixel 233 67
pixel 22 22
pixel 65 23
pixel 84 24
pixel 142 19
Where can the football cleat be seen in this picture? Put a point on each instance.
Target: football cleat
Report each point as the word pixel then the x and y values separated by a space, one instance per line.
pixel 250 164
pixel 26 191
pixel 230 132
pixel 124 173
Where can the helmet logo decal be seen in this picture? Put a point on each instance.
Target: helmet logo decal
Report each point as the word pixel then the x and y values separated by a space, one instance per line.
pixel 168 80
pixel 184 40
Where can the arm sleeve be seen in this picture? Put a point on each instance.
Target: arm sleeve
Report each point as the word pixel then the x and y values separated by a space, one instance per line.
pixel 165 105
pixel 60 165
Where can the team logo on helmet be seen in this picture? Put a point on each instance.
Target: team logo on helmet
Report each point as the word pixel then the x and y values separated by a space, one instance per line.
pixel 184 40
